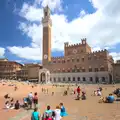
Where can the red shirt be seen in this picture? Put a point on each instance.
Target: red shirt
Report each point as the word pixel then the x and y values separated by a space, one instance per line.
pixel 78 90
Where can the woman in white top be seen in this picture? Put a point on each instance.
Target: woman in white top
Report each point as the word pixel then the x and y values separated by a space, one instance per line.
pixel 57 113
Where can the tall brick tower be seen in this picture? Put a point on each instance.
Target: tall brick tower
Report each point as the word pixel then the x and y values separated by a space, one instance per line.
pixel 47 24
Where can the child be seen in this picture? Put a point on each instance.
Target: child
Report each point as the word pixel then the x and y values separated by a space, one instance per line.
pixel 63 111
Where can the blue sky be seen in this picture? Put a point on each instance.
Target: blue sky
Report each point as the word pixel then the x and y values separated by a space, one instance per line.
pixel 21 29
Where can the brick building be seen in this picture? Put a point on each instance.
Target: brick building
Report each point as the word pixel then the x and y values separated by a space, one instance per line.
pixel 79 63
pixel 8 69
pixel 116 71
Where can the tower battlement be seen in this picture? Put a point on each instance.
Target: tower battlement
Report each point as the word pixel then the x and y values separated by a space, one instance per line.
pixel 83 42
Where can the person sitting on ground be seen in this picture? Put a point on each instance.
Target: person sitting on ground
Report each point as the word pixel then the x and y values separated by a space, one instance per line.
pixel 65 93
pixel 83 96
pixel 101 100
pixel 47 114
pixel 110 99
pixel 7 104
pixel 6 96
pixel 35 115
pixel 17 105
pixel 99 93
pixel 100 88
pixel 25 102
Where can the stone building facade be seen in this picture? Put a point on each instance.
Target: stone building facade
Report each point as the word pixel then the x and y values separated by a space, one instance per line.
pixel 8 69
pixel 79 63
pixel 29 72
pixel 116 71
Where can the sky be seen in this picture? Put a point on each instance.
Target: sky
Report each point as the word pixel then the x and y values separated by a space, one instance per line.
pixel 72 20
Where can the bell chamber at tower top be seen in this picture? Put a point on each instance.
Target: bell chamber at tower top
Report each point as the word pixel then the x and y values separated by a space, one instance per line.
pixel 46 20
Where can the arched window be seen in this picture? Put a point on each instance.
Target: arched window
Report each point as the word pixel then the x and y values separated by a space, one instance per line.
pixel 78 70
pixel 90 69
pixel 78 60
pixel 84 79
pixel 54 79
pixel 96 69
pixel 59 79
pixel 73 78
pixel 102 68
pixel 69 79
pixel 103 79
pixel 68 70
pixel 83 69
pixel 63 78
pixel 83 59
pixel 78 79
pixel 91 79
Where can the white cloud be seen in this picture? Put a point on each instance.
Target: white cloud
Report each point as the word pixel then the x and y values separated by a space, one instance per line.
pixel 101 28
pixel 2 51
pixel 53 4
pixel 26 52
pixel 115 55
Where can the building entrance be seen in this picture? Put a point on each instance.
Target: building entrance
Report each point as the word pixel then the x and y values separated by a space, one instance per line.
pixel 44 76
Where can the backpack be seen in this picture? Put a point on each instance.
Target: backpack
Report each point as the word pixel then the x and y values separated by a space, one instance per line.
pixel 47 116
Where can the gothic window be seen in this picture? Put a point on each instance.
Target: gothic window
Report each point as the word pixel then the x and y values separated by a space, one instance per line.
pixel 96 69
pixel 68 60
pixel 63 61
pixel 84 79
pixel 77 59
pixel 102 69
pixel 73 70
pixel 73 78
pixel 78 70
pixel 63 70
pixel 72 60
pixel 90 69
pixel 68 70
pixel 83 70
pixel 82 59
pixel 50 79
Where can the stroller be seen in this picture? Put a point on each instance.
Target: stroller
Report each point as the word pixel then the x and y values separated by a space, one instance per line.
pixel 25 103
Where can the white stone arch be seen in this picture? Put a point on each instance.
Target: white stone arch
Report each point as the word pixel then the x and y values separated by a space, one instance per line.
pixel 47 75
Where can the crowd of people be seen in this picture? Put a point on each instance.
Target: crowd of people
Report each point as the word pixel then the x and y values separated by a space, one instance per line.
pixel 57 114
pixel 49 114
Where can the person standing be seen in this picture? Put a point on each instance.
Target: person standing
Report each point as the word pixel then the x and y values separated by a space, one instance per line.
pixel 35 115
pixel 30 99
pixel 57 113
pixel 78 92
pixel 35 99
pixel 63 112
